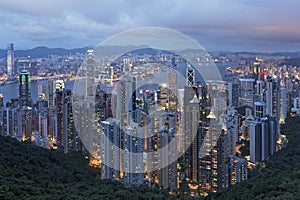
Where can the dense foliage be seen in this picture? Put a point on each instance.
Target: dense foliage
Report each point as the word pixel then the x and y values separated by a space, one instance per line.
pixel 279 179
pixel 31 172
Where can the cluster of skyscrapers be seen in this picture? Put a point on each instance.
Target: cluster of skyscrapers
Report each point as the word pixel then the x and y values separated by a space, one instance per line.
pixel 48 122
pixel 160 135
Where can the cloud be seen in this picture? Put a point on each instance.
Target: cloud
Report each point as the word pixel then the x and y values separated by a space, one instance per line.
pixel 223 22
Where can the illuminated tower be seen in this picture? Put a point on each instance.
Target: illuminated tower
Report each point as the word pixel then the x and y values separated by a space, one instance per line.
pixel 236 170
pixel 272 97
pixel 90 73
pixel 110 149
pixel 218 142
pixel 233 94
pixel 283 104
pixel 60 95
pixel 258 96
pixel 172 91
pixel 190 76
pixel 24 88
pixel 10 59
pixel 132 160
pixel 192 115
pixel 246 92
pixel 126 100
pixel 167 175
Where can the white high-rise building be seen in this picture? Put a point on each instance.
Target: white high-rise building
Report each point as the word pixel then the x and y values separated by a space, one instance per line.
pixel 132 156
pixel 283 104
pixel 126 100
pixel 10 59
pixel 272 97
pixel 110 149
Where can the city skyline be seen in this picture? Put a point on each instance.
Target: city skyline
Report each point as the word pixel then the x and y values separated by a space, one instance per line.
pixel 187 98
pixel 217 25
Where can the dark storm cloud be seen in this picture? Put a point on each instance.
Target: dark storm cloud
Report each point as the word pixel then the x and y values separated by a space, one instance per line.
pixel 217 24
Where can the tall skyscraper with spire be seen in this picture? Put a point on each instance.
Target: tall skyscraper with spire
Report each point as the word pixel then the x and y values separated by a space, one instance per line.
pixel 24 88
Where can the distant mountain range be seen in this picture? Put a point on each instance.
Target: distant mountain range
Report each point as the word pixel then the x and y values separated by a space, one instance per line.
pixel 42 51
pixel 39 52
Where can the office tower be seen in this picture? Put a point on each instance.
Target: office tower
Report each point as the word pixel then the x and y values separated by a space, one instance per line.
pixel 259 110
pixel 43 124
pixel 104 104
pixel 246 92
pixel 172 91
pixel 255 142
pixel 102 100
pixel 41 103
pixel 51 92
pixel 25 123
pixel 233 94
pixel 217 141
pixel 262 138
pixel 132 156
pixel 71 140
pixel 162 97
pixel 272 97
pixel 1 101
pixel 236 170
pixel 66 138
pixel 259 87
pixel 283 104
pixel 192 137
pixel 180 116
pixel 273 135
pixel 87 126
pixel 52 124
pixel 258 96
pixel 9 121
pixel 167 175
pixel 230 126
pixel 126 100
pixel 110 145
pixel 155 121
pixel 90 73
pixel 24 88
pixel 60 95
pixel 10 60
pixel 190 75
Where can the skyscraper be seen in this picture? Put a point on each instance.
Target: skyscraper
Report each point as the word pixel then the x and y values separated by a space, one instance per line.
pixel 283 104
pixel 10 59
pixel 190 76
pixel 236 170
pixel 246 92
pixel 132 157
pixel 90 73
pixel 167 175
pixel 172 91
pixel 262 138
pixel 24 88
pixel 272 97
pixel 126 100
pixel 110 156
pixel 233 94
pixel 259 110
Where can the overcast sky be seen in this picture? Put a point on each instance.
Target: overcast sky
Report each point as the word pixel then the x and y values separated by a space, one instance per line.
pixel 250 25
